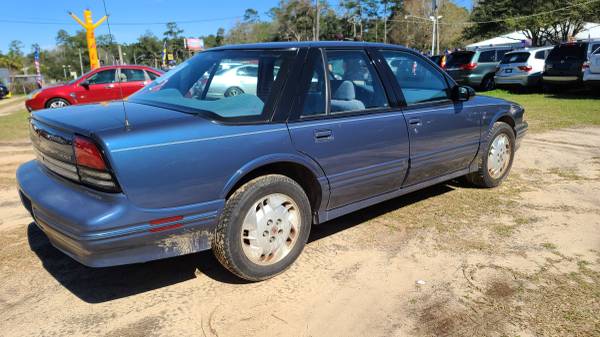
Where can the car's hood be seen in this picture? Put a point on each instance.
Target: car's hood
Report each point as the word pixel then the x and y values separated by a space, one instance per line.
pixel 93 118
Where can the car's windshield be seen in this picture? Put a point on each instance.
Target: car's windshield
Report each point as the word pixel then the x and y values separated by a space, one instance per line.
pixel 515 58
pixel 568 51
pixel 222 84
pixel 459 58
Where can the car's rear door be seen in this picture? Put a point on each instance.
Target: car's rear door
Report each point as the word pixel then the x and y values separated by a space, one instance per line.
pixel 444 135
pixel 344 120
pixel 101 87
pixel 131 80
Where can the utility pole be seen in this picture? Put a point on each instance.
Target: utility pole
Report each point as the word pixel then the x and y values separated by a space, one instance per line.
pixel 317 14
pixel 120 54
pixel 385 17
pixel 81 61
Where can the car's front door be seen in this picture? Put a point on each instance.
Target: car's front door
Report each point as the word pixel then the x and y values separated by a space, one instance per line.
pixel 101 86
pixel 345 123
pixel 444 135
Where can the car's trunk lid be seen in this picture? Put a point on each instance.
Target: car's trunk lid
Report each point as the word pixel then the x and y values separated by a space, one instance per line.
pixel 566 60
pixel 89 119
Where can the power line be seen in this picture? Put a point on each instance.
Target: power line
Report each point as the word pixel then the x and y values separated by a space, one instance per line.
pixel 48 22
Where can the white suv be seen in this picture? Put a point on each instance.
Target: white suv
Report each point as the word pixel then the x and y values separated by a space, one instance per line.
pixel 522 67
pixel 591 69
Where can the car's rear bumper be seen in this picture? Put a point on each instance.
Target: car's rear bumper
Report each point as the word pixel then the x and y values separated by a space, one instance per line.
pixel 561 80
pixel 521 80
pixel 102 229
pixel 591 79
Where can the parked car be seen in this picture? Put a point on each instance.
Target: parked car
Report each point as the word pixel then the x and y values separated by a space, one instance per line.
pixel 248 175
pixel 102 84
pixel 565 65
pixel 3 90
pixel 591 70
pixel 476 68
pixel 523 67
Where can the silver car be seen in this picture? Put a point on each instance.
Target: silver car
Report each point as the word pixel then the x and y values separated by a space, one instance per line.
pixel 522 67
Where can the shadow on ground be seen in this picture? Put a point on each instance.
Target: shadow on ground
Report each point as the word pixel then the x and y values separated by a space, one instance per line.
pixel 97 285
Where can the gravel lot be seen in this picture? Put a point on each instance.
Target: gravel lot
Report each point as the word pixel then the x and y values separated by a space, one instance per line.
pixel 519 260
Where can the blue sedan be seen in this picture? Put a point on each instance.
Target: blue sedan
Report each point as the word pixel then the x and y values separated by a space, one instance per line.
pixel 329 128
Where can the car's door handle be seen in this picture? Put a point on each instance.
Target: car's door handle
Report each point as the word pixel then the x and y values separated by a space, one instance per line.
pixel 323 135
pixel 109 86
pixel 414 122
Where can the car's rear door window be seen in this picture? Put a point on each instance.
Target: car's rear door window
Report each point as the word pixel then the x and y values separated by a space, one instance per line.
pixel 419 81
pixel 238 85
pixel 487 56
pixel 354 82
pixel 132 75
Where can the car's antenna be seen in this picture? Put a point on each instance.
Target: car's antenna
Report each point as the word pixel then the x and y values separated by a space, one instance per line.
pixel 120 61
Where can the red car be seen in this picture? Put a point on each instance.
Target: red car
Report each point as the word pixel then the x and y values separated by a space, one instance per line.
pixel 99 85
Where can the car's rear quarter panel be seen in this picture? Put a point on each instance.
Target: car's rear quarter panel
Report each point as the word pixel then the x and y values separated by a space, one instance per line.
pixel 189 162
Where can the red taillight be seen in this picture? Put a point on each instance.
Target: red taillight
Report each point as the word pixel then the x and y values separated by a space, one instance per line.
pixel 525 68
pixel 469 66
pixel 87 154
pixel 585 65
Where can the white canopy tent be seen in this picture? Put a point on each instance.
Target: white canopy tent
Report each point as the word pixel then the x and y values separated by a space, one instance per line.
pixel 518 39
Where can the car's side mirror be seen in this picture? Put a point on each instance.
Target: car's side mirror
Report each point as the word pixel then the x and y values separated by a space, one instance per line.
pixel 85 84
pixel 463 93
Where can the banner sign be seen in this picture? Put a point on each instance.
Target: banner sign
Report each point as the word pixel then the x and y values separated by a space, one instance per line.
pixel 193 44
pixel 36 61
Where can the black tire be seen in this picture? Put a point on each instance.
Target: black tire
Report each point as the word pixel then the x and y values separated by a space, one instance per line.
pixel 549 88
pixel 227 243
pixel 482 177
pixel 488 83
pixel 55 101
pixel 233 91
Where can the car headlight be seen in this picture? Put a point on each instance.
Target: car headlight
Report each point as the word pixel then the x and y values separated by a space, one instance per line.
pixel 34 93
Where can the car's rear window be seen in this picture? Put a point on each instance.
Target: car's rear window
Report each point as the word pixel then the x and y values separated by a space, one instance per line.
pixel 457 59
pixel 232 85
pixel 515 58
pixel 564 52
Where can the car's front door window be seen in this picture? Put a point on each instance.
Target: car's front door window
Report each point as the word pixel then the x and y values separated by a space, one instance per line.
pixel 418 80
pixel 102 77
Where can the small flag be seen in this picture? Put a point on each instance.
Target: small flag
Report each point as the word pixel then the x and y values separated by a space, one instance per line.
pixel 164 54
pixel 36 61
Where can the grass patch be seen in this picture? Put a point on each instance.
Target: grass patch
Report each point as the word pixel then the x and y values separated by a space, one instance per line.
pixel 14 126
pixel 549 246
pixel 566 173
pixel 546 111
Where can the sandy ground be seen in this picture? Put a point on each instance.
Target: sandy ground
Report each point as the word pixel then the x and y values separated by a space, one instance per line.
pixel 10 105
pixel 519 260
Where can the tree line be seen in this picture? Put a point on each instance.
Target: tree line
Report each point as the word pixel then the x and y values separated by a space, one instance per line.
pixel 403 22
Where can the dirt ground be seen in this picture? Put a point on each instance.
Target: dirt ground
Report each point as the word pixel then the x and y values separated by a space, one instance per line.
pixel 519 260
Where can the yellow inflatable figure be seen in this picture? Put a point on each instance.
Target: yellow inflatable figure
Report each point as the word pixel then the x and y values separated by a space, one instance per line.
pixel 89 27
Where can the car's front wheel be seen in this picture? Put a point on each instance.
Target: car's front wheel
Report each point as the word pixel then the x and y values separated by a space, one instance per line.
pixel 56 103
pixel 496 157
pixel 263 228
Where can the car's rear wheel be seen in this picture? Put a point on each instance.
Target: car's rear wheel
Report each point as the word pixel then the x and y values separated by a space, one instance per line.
pixel 263 228
pixel 233 91
pixel 56 103
pixel 496 157
pixel 488 83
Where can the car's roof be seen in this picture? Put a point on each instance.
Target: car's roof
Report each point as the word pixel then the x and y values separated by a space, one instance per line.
pixel 530 49
pixel 135 66
pixel 307 44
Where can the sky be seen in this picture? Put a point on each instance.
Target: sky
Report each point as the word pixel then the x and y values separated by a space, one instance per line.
pixel 128 18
